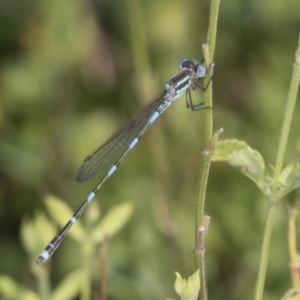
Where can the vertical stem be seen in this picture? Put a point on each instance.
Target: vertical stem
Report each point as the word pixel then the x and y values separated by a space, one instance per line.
pixel 88 251
pixel 289 109
pixel 199 257
pixel 86 280
pixel 102 262
pixel 212 29
pixel 145 85
pixel 200 251
pixel 265 251
pixel 43 283
pixel 294 256
pixel 205 162
pixel 208 123
pixel 206 152
pixel 140 55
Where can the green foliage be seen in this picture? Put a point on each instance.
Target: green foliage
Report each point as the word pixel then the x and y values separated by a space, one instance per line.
pixel 11 290
pixel 250 162
pixel 187 289
pixel 72 73
pixel 69 287
pixel 36 234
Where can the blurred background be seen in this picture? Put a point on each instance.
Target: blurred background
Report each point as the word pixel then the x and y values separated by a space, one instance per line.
pixel 73 72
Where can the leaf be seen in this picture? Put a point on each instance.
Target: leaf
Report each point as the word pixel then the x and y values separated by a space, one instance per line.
pixel 69 287
pixel 291 294
pixel 240 156
pixel 227 147
pixel 289 179
pixel 12 290
pixel 62 213
pixel 112 222
pixel 29 236
pixel 188 290
pixel 36 233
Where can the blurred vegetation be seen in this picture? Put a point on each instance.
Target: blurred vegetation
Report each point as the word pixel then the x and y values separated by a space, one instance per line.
pixel 73 72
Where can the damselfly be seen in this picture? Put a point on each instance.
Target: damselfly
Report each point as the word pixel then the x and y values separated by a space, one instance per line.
pixel 114 150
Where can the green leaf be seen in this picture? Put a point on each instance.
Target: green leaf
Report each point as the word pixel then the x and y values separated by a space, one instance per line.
pixel 291 294
pixel 188 290
pixel 69 287
pixel 12 290
pixel 289 179
pixel 36 233
pixel 61 213
pixel 227 147
pixel 29 236
pixel 112 222
pixel 240 156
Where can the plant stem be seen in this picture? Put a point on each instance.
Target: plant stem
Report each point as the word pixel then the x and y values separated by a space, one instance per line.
pixel 199 255
pixel 292 242
pixel 212 28
pixel 44 288
pixel 88 249
pixel 289 109
pixel 205 162
pixel 206 153
pixel 200 251
pixel 273 199
pixel 102 267
pixel 87 272
pixel 260 282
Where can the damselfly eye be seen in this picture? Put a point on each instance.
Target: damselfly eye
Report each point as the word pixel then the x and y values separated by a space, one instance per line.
pixel 183 65
pixel 201 70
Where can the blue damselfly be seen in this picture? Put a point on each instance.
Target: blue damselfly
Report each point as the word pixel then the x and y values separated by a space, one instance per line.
pixel 114 150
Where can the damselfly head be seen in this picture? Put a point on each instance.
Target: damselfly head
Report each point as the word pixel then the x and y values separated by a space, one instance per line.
pixel 185 64
pixel 198 69
pixel 182 63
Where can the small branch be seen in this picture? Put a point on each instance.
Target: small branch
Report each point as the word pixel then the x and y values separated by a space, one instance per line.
pixel 102 267
pixel 199 251
pixel 200 201
pixel 294 256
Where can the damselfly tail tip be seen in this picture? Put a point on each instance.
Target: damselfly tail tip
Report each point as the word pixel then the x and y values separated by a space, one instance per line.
pixel 43 257
pixel 40 260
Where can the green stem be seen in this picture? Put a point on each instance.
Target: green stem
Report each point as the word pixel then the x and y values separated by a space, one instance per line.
pixel 87 255
pixel 139 47
pixel 43 281
pixel 208 123
pixel 273 199
pixel 88 249
pixel 206 157
pixel 205 162
pixel 212 28
pixel 200 218
pixel 289 109
pixel 265 251
pixel 292 242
